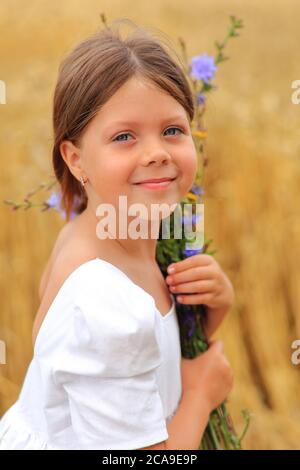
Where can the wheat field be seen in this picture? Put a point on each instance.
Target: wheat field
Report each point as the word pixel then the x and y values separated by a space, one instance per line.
pixel 252 183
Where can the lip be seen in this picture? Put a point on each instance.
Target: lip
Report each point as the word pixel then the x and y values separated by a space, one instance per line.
pixel 155 180
pixel 156 184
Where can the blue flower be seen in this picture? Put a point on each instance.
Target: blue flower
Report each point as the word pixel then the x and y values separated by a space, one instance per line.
pixel 189 320
pixel 187 219
pixel 189 252
pixel 197 190
pixel 54 202
pixel 72 215
pixel 203 67
pixel 201 98
pixel 191 331
pixel 188 314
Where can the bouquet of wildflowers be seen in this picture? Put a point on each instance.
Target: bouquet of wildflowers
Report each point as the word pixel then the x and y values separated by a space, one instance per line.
pixel 220 433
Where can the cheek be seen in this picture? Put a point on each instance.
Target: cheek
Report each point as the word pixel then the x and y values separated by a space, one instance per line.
pixel 188 167
pixel 111 178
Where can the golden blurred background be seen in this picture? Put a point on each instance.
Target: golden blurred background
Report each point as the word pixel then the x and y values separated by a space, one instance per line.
pixel 252 183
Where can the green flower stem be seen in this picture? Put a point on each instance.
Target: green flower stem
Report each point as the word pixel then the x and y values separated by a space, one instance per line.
pixel 219 433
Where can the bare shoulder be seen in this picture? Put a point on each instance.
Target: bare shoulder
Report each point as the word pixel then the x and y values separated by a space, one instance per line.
pixel 48 267
pixel 72 248
pixel 67 260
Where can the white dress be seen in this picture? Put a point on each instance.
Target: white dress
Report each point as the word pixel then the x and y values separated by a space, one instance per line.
pixel 105 372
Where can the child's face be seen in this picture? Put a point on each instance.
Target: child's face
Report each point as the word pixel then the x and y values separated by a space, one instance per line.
pixel 114 156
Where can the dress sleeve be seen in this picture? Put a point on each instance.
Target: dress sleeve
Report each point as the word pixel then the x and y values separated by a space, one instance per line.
pixel 107 367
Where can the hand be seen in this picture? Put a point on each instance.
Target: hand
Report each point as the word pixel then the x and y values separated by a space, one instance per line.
pixel 202 278
pixel 209 375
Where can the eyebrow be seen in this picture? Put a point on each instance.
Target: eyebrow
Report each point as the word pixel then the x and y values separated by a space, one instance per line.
pixel 130 123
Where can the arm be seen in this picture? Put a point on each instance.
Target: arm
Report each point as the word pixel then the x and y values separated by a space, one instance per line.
pixel 206 381
pixel 187 426
pixel 215 315
pixel 213 319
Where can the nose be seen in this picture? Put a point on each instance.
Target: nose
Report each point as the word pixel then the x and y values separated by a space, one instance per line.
pixel 158 157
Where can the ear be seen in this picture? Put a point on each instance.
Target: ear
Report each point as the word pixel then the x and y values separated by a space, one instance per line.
pixel 71 155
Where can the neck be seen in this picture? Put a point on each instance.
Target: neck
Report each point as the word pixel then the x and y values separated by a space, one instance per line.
pixel 141 249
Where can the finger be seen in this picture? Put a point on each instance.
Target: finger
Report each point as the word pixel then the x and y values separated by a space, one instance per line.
pixel 197 273
pixel 198 287
pixel 195 299
pixel 201 259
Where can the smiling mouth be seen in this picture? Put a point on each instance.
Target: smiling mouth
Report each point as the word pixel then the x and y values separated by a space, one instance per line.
pixel 156 184
pixel 156 180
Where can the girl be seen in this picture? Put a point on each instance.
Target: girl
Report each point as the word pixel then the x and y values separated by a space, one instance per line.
pixel 106 371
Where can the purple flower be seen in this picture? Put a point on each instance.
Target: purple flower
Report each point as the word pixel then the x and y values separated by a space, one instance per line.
pixel 187 219
pixel 197 190
pixel 189 313
pixel 203 67
pixel 189 252
pixel 201 98
pixel 191 331
pixel 54 202
pixel 73 214
pixel 189 320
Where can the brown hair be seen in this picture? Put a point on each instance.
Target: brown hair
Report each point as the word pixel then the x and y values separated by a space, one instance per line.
pixel 91 73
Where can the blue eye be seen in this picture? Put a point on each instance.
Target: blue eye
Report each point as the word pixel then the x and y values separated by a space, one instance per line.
pixel 176 128
pixel 127 133
pixel 115 139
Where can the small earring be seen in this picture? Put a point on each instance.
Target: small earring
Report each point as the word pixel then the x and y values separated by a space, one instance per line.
pixel 82 181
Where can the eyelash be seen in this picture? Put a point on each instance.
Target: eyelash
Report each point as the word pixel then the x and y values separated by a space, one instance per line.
pixel 128 133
